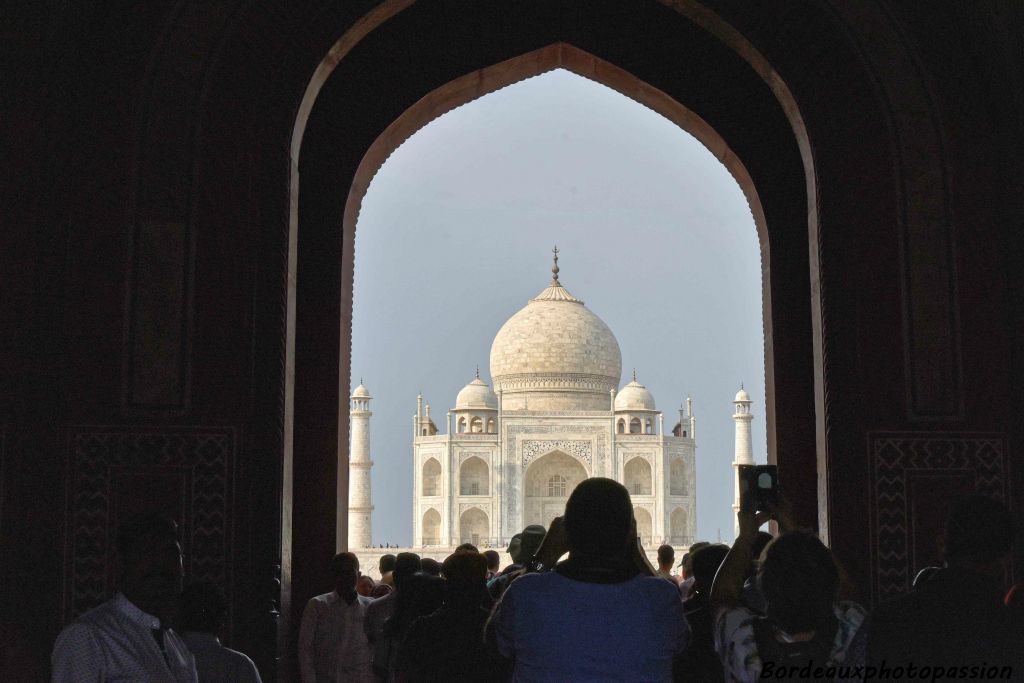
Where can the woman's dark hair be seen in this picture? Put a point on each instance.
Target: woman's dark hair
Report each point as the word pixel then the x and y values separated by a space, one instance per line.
pixel 799 580
pixel 706 562
pixel 599 517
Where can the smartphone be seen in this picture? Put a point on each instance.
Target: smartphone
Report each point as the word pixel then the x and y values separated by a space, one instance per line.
pixel 759 487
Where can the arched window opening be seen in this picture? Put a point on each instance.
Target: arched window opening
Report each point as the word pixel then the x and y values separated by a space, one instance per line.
pixel 648 428
pixel 424 431
pixel 644 526
pixel 473 527
pixel 431 478
pixel 678 531
pixel 621 426
pixel 476 425
pixel 473 477
pixel 490 426
pixel 677 477
pixel 556 485
pixel 634 425
pixel 462 425
pixel 431 527
pixel 638 477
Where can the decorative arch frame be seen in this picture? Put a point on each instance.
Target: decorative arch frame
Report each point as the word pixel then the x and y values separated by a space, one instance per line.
pixel 675 537
pixel 484 528
pixel 423 477
pixel 474 462
pixel 459 90
pixel 432 513
pixel 646 482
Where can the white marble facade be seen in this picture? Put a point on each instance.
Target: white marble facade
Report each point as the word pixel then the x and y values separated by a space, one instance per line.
pixel 510 456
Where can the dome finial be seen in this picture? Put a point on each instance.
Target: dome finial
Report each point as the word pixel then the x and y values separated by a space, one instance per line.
pixel 554 268
pixel 634 374
pixel 478 371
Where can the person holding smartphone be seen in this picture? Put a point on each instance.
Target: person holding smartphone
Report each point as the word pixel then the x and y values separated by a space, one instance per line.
pixel 600 615
pixel 806 628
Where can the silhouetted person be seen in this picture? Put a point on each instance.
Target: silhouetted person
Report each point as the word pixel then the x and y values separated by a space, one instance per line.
pixel 377 614
pixel 602 614
pixel 200 620
pixel 385 566
pixel 666 558
pixel 804 625
pixel 127 637
pixel 686 567
pixel 430 566
pixel 468 546
pixel 332 644
pixel 493 563
pixel 700 662
pixel 365 586
pixel 380 590
pixel 752 596
pixel 448 644
pixel 957 617
pixel 522 552
pixel 421 594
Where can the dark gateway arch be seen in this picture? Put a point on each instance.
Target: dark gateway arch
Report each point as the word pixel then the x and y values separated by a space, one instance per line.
pixel 177 270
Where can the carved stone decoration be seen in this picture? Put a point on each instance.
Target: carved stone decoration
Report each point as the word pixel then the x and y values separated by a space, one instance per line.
pixel 578 449
pixel 910 465
pixel 186 472
pixel 482 507
pixel 483 455
pixel 555 413
pixel 511 472
pixel 645 455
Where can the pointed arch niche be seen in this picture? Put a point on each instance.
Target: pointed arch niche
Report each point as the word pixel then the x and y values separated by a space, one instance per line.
pixel 692 67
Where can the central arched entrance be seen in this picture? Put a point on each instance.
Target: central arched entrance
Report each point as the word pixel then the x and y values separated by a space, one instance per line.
pixel 549 481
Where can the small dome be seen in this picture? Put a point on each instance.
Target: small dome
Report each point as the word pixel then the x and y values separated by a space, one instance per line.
pixel 634 396
pixel 361 392
pixel 477 394
pixel 742 396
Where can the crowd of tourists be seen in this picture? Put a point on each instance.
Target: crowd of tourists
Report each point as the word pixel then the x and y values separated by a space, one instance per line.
pixel 581 602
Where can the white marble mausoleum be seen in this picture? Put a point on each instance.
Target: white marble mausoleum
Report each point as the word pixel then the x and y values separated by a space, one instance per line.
pixel 510 455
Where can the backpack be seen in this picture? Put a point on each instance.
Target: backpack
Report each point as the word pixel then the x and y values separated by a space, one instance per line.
pixel 800 660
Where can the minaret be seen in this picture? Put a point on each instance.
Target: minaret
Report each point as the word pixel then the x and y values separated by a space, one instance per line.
pixel 744 454
pixel 359 464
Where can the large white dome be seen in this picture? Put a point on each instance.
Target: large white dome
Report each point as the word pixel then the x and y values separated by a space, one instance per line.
pixel 554 350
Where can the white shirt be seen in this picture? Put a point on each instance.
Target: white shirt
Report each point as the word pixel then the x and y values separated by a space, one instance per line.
pixel 332 644
pixel 115 642
pixel 216 663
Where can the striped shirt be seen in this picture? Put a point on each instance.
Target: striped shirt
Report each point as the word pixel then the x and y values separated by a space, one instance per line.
pixel 116 642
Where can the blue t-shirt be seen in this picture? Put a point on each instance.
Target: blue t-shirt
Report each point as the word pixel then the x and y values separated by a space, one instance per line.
pixel 558 629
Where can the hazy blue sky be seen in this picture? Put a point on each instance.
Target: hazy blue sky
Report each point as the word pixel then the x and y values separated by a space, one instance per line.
pixel 455 236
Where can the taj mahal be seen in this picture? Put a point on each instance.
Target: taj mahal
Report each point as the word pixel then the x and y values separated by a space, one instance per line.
pixel 509 455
